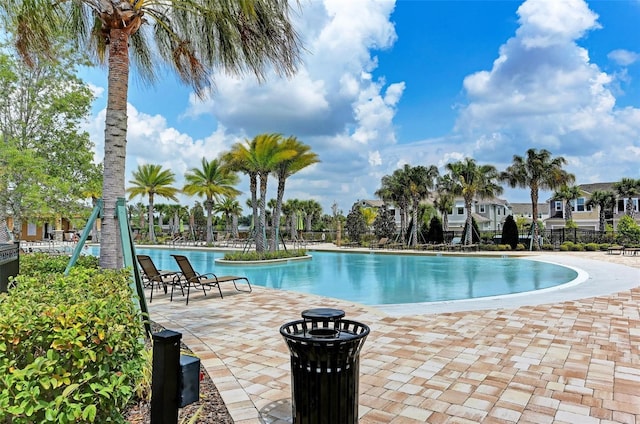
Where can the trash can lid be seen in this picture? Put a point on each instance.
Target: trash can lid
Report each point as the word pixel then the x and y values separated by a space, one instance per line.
pixel 323 314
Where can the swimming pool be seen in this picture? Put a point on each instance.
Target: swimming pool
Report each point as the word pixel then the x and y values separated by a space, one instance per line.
pixel 379 279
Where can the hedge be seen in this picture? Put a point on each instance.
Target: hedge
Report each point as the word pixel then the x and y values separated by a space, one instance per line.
pixel 71 348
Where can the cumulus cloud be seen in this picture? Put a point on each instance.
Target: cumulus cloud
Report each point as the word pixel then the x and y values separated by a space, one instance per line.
pixel 624 57
pixel 543 91
pixel 332 103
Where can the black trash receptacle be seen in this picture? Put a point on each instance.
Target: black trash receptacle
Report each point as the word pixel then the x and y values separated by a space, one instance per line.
pixel 325 358
pixel 9 264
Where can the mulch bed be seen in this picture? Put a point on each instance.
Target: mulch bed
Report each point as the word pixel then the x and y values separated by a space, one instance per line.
pixel 209 410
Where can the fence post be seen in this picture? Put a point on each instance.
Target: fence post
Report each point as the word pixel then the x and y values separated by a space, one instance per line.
pixel 165 377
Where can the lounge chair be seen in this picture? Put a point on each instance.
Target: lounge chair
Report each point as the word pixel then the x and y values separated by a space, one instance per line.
pixel 380 243
pixel 615 250
pixel 153 276
pixel 193 279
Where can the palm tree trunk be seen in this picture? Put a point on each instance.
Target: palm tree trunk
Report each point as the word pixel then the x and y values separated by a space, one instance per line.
pixel 534 210
pixel 253 187
pixel 115 147
pixel 262 210
pixel 152 232
pixel 234 226
pixel 209 221
pixel 276 213
pixel 414 230
pixel 468 235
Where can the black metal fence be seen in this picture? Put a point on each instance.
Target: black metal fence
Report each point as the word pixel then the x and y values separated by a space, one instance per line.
pixel 9 263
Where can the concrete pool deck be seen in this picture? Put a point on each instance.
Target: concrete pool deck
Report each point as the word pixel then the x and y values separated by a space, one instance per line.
pixel 569 355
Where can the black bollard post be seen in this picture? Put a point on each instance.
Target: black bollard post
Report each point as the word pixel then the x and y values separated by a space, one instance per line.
pixel 165 376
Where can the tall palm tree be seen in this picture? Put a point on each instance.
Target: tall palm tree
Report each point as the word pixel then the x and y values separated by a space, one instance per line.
pixel 192 37
pixel 231 209
pixel 627 188
pixel 214 181
pixel 605 200
pixel 151 180
pixel 270 152
pixel 421 181
pixel 445 198
pixel 241 158
pixel 471 180
pixel 568 194
pixel 312 210
pixel 536 171
pixel 303 158
pixel 393 189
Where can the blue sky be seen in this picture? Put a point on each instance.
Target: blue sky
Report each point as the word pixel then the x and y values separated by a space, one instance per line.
pixel 385 83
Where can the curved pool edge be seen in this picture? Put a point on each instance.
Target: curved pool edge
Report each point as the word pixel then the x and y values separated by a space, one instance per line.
pixel 591 272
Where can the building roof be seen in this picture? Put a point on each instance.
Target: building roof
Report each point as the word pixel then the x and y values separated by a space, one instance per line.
pixel 525 208
pixel 590 188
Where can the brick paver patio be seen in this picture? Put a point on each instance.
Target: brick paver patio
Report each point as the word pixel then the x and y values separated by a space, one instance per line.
pixel 569 362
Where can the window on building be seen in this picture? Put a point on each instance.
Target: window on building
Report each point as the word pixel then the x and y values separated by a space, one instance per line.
pixel 558 205
pixel 460 211
pixel 620 205
pixel 580 204
pixel 481 208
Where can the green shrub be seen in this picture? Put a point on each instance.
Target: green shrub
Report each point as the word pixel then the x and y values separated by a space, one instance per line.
pixel 564 248
pixel 604 246
pixel 520 247
pixel 257 256
pixel 502 247
pixel 70 347
pixel 591 247
pixel 547 246
pixel 578 247
pixel 39 263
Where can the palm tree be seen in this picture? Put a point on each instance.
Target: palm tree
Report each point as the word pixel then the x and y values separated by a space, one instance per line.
pixel 605 200
pixel 303 158
pixel 393 189
pixel 627 188
pixel 230 208
pixel 471 180
pixel 312 210
pixel 270 153
pixel 151 180
pixel 537 171
pixel 445 199
pixel 192 37
pixel 241 158
pixel 568 194
pixel 420 182
pixel 213 181
pixel 292 208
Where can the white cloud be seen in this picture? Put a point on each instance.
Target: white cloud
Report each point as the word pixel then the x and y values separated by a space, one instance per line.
pixel 332 103
pixel 624 57
pixel 543 91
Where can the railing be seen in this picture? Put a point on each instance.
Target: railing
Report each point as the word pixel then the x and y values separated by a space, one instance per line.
pixel 9 264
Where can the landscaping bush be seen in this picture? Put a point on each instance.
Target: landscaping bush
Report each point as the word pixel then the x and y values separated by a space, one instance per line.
pixel 510 232
pixel 591 247
pixel 39 263
pixel 520 247
pixel 70 346
pixel 547 246
pixel 256 256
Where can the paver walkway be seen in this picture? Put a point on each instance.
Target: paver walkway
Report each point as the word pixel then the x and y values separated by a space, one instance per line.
pixel 574 361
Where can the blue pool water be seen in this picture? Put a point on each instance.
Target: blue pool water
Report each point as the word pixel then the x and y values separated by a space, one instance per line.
pixel 375 279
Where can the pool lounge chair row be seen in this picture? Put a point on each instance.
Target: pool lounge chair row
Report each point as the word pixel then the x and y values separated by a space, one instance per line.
pixel 623 250
pixel 187 278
